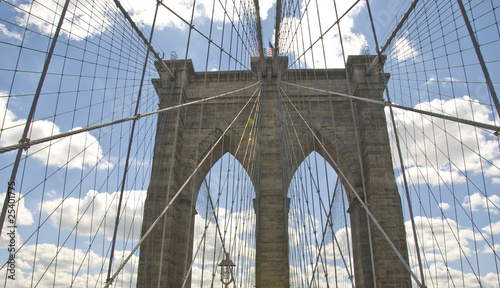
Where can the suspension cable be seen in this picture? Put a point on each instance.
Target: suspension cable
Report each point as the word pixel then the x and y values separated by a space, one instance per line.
pixel 390 104
pixel 136 117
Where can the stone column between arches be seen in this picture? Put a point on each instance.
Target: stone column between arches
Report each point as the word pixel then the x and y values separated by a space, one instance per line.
pixel 182 140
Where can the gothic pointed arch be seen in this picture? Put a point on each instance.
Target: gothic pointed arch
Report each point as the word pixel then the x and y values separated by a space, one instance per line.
pixel 319 224
pixel 340 156
pixel 224 223
pixel 212 148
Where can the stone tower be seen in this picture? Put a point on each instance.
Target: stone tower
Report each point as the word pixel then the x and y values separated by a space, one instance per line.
pixel 357 142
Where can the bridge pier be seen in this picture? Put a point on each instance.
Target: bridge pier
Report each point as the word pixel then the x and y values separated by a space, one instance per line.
pixel 358 141
pixel 272 264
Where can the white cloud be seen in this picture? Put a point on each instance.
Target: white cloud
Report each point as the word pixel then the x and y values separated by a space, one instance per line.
pixel 10 238
pixel 85 19
pixel 22 215
pixel 439 275
pixel 66 257
pixel 493 169
pixel 240 247
pixel 445 82
pixel 91 211
pixel 441 250
pixel 240 223
pixel 404 50
pixel 438 237
pixel 265 6
pixel 77 151
pixel 143 11
pixel 62 267
pixel 353 42
pixel 332 261
pixel 489 250
pixel 80 21
pixel 430 174
pixel 337 276
pixel 340 245
pixel 478 202
pixel 296 229
pixel 438 244
pixel 9 34
pixel 448 80
pixel 495 228
pixel 444 206
pixel 438 151
pixel 430 81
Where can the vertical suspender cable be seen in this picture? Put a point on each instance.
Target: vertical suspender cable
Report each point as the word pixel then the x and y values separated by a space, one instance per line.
pixel 117 219
pixel 12 181
pixel 410 209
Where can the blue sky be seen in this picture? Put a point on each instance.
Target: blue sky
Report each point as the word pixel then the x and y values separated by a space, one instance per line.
pixel 101 82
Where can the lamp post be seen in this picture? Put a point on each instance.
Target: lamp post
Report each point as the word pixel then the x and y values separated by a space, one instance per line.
pixel 226 273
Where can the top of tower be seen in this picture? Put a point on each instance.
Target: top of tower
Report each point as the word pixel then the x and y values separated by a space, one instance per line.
pixel 266 69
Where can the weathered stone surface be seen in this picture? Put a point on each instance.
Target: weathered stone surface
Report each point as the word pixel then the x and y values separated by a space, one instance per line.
pixel 344 127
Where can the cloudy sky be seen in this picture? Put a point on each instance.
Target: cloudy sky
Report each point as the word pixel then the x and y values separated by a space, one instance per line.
pixel 453 169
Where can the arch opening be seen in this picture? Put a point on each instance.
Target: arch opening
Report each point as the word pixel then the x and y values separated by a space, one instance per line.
pixel 319 232
pixel 224 223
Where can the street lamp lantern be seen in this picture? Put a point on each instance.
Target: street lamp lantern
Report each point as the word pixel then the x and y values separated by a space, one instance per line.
pixel 226 273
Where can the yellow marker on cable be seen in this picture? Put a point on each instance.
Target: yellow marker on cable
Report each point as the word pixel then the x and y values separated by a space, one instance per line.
pixel 250 121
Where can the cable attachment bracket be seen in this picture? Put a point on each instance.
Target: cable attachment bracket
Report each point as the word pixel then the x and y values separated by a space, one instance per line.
pixel 108 282
pixel 25 143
